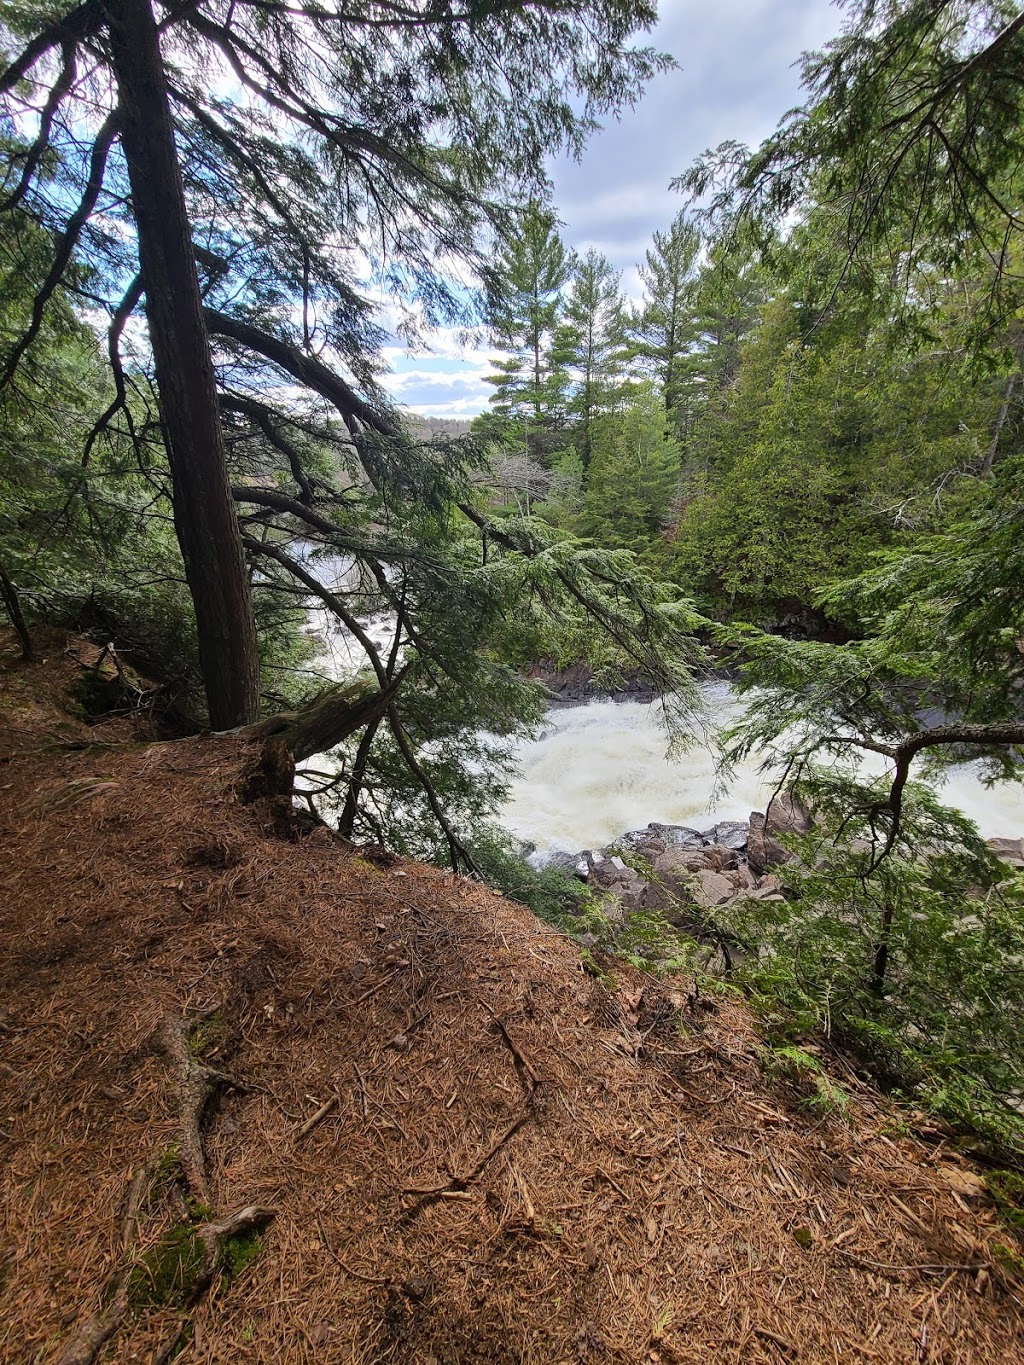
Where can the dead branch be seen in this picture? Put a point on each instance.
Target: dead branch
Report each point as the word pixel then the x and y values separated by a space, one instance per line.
pixel 318 1117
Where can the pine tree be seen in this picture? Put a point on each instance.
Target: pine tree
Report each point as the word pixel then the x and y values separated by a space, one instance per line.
pixel 590 345
pixel 664 330
pixel 528 403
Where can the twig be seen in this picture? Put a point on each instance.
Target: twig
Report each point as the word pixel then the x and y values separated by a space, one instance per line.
pixel 459 1182
pixel 967 1268
pixel 778 1341
pixel 318 1117
pixel 522 1064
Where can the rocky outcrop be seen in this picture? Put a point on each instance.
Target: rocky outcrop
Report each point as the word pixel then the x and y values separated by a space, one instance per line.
pixel 686 873
pixel 574 685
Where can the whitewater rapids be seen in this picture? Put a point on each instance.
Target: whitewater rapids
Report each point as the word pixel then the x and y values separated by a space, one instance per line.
pixel 600 769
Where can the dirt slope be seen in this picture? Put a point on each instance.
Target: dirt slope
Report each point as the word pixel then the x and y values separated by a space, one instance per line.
pixel 511 1162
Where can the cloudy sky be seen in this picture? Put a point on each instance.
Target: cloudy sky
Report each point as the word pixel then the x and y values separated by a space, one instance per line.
pixel 737 78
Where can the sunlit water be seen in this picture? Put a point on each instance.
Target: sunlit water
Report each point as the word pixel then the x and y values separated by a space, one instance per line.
pixel 600 769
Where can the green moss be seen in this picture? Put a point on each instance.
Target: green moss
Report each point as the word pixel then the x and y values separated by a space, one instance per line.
pixel 169 1273
pixel 208 1033
pixel 1008 1258
pixel 1007 1189
pixel 240 1252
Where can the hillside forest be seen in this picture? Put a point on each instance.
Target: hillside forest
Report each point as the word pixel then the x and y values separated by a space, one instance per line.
pixel 797 458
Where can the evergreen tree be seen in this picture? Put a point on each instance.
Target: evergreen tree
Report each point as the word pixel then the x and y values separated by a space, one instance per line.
pixel 634 472
pixel 665 330
pixel 401 137
pixel 590 345
pixel 529 383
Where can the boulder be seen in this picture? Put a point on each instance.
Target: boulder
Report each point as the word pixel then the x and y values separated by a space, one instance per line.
pixel 677 836
pixel 763 850
pixel 566 862
pixel 769 885
pixel 787 814
pixel 743 879
pixel 605 872
pixel 676 864
pixel 731 834
pixel 1009 850
pixel 711 888
pixel 721 858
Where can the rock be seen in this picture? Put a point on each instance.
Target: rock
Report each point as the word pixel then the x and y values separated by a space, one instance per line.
pixel 770 885
pixel 732 834
pixel 677 836
pixel 788 815
pixel 721 858
pixel 1009 850
pixel 566 862
pixel 674 860
pixel 764 851
pixel 743 879
pixel 711 888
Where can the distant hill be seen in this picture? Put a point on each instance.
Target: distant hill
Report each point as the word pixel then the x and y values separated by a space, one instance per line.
pixel 431 428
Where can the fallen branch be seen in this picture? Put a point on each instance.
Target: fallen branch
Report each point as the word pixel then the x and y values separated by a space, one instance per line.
pixel 318 1117
pixel 927 1267
pixel 458 1183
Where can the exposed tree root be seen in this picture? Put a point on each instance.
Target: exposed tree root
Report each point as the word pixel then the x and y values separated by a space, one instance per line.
pixel 197 1085
pixel 187 1259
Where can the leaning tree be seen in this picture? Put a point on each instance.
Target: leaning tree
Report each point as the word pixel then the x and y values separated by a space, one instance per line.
pixel 257 195
pixel 252 175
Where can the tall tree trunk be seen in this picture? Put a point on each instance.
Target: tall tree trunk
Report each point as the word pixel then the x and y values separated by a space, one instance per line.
pixel 10 599
pixel 204 515
pixel 1004 410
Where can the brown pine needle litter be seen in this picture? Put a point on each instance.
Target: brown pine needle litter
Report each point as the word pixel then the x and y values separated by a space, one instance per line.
pixel 441 1141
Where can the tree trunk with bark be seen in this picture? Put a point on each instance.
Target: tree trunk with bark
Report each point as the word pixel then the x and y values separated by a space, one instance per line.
pixel 204 515
pixel 10 599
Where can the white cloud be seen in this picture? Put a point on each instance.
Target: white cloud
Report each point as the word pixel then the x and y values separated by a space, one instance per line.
pixel 738 78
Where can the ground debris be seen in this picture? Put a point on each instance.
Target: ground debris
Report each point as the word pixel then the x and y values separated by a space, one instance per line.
pixel 596 1174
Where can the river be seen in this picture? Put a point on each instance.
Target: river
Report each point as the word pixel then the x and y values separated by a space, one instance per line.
pixel 600 769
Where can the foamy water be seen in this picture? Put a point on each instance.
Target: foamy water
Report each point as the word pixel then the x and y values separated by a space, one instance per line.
pixel 600 769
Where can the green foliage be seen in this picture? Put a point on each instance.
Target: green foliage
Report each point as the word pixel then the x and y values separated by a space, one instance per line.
pixel 795 1065
pixel 552 893
pixel 646 940
pixel 633 475
pixel 529 383
pixel 589 344
pixel 942 1014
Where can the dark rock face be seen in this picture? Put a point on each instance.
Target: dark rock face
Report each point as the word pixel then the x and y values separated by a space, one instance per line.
pixel 574 685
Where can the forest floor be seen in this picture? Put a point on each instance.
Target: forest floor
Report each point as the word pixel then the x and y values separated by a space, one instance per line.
pixel 443 1140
